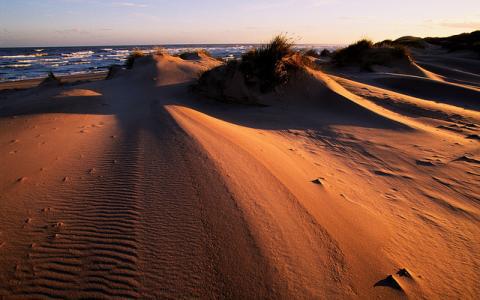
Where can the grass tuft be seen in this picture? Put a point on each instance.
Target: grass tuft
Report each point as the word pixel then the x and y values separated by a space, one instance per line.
pixel 366 54
pixel 270 65
pixel 325 53
pixel 312 53
pixel 464 41
pixel 260 70
pixel 194 54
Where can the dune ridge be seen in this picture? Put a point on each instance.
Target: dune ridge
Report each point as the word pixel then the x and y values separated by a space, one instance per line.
pixel 136 187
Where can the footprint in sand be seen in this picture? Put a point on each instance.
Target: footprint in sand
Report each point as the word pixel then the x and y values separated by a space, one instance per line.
pixel 66 179
pixel 383 173
pixel 473 137
pixel 391 282
pixel 22 179
pixel 14 141
pixel 425 163
pixel 465 158
pixel 318 181
pixel 46 210
pixel 58 225
pixel 404 273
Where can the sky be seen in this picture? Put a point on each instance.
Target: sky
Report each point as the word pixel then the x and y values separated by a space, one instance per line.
pixel 156 22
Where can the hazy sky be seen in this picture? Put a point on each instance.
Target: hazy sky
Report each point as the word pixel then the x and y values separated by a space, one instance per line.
pixel 108 22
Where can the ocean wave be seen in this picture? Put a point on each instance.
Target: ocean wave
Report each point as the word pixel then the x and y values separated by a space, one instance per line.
pixel 79 54
pixel 16 66
pixel 23 56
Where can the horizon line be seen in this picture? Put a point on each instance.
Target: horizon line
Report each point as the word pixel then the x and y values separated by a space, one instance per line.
pixel 169 44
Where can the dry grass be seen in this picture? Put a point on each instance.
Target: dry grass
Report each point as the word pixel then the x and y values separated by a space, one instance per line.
pixel 272 64
pixel 464 41
pixel 365 54
pixel 194 54
pixel 312 53
pixel 260 70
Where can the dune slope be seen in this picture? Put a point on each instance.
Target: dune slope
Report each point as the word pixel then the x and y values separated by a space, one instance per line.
pixel 135 187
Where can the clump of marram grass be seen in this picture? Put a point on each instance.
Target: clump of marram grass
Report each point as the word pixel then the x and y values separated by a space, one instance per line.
pixel 272 64
pixel 411 42
pixel 132 57
pixel 365 54
pixel 312 53
pixel 194 54
pixel 259 71
pixel 325 53
pixel 459 42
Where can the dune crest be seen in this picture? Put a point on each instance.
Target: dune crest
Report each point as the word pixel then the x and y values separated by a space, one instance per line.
pixel 139 187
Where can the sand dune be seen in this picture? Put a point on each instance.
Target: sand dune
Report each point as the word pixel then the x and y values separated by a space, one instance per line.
pixel 135 187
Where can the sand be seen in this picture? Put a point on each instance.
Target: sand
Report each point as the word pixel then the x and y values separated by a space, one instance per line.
pixel 347 185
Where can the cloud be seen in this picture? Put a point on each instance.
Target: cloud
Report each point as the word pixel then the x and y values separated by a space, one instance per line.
pixel 129 4
pixel 279 4
pixel 70 31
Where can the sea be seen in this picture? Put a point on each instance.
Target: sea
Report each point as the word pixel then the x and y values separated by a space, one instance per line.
pixel 29 63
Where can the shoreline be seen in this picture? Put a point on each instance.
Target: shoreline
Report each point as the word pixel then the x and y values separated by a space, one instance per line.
pixel 31 83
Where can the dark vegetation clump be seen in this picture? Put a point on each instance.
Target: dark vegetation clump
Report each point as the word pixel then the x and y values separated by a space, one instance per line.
pixel 193 55
pixel 410 42
pixel 271 65
pixel 257 72
pixel 325 53
pixel 312 53
pixel 464 41
pixel 132 57
pixel 406 41
pixel 365 54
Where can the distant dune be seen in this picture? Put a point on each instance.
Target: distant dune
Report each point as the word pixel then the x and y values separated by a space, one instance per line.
pixel 336 183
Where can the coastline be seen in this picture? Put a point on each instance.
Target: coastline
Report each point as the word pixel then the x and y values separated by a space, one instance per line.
pixel 68 79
